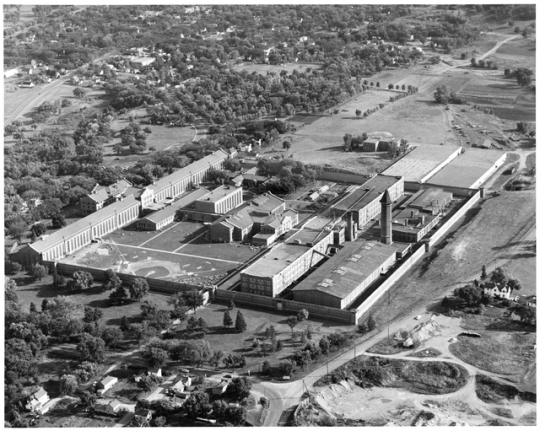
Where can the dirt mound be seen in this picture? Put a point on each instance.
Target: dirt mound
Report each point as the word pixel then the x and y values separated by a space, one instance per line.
pixel 491 391
pixel 429 377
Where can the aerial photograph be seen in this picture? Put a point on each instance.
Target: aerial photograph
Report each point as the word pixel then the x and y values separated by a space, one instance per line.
pixel 263 215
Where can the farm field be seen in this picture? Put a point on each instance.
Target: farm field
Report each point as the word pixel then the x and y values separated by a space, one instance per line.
pixel 266 68
pixel 518 51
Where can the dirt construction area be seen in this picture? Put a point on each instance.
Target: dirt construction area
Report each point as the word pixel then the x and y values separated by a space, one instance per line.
pixel 391 402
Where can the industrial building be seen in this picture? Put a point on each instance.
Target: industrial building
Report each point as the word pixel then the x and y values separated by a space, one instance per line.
pixel 214 204
pixel 161 218
pixel 338 282
pixel 363 202
pixel 181 180
pixel 424 161
pixel 288 261
pixel 470 170
pixel 410 225
pixel 431 200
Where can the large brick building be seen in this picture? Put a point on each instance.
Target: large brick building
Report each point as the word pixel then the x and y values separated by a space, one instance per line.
pixel 105 195
pixel 287 262
pixel 338 282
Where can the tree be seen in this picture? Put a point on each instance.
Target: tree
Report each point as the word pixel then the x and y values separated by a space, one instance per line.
pixel 118 296
pixel 216 358
pixel 231 305
pixel 324 345
pixel 11 268
pixel 362 328
pixel 514 283
pixel 38 271
pixel 240 323
pixel 58 221
pixel 124 324
pixel 91 348
pixel 227 320
pixel 92 314
pixel 358 112
pixel 302 315
pixel 68 384
pixel 483 276
pixel 526 314
pixel 371 324
pixel 38 229
pixel 17 229
pixel 155 356
pixel 266 368
pixel 80 280
pixel 159 421
pixel 240 387
pixel 286 145
pixel 517 30
pixel 347 139
pixel 111 336
pixel 79 92
pixel 193 299
pixel 197 405
pixel 292 321
pixel 138 289
pixel 498 276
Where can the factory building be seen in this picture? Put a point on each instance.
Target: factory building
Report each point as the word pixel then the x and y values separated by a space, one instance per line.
pixel 363 202
pixel 288 261
pixel 346 275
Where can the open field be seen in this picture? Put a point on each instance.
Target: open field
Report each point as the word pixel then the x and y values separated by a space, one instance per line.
pixel 506 353
pixel 266 68
pixel 416 118
pixel 519 51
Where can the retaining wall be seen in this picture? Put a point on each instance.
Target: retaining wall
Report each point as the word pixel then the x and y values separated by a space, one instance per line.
pixel 456 191
pixel 291 307
pixel 452 220
pixel 342 177
pixel 154 283
pixel 396 275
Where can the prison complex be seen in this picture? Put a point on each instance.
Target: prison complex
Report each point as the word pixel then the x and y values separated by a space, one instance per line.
pixel 118 214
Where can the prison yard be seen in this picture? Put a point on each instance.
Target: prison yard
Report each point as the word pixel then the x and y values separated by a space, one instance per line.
pixel 316 215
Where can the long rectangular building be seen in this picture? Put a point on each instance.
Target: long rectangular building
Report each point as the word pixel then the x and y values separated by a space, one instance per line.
pixel 338 282
pixel 81 233
pixel 287 262
pixel 179 181
pixel 423 162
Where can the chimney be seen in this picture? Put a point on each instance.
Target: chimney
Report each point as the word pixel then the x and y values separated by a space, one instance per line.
pixel 386 219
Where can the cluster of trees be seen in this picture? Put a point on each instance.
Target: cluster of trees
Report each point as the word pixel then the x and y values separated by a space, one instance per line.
pixel 290 174
pixel 526 128
pixel 133 137
pixel 487 64
pixel 158 352
pixel 444 95
pixel 523 75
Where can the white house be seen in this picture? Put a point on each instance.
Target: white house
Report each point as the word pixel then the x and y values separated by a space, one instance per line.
pixel 11 72
pixel 37 400
pixel 221 388
pixel 496 291
pixel 106 384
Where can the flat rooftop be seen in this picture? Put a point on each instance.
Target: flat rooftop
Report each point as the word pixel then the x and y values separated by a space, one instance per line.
pixel 347 269
pixel 188 198
pixel 285 253
pixel 410 220
pixel 367 192
pixel 467 169
pixel 218 194
pixel 421 161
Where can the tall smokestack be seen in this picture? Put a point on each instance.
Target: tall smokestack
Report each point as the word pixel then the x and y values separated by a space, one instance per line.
pixel 386 219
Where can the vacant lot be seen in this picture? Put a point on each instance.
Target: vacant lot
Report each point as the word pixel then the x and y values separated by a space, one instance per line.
pixel 506 353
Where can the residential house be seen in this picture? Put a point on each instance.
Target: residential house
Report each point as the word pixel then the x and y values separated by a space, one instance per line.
pixel 109 407
pixel 106 384
pixel 221 388
pixel 154 372
pixel 144 414
pixel 496 290
pixel 37 401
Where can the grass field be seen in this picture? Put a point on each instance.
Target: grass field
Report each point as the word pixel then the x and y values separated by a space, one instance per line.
pixel 506 353
pixel 180 253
